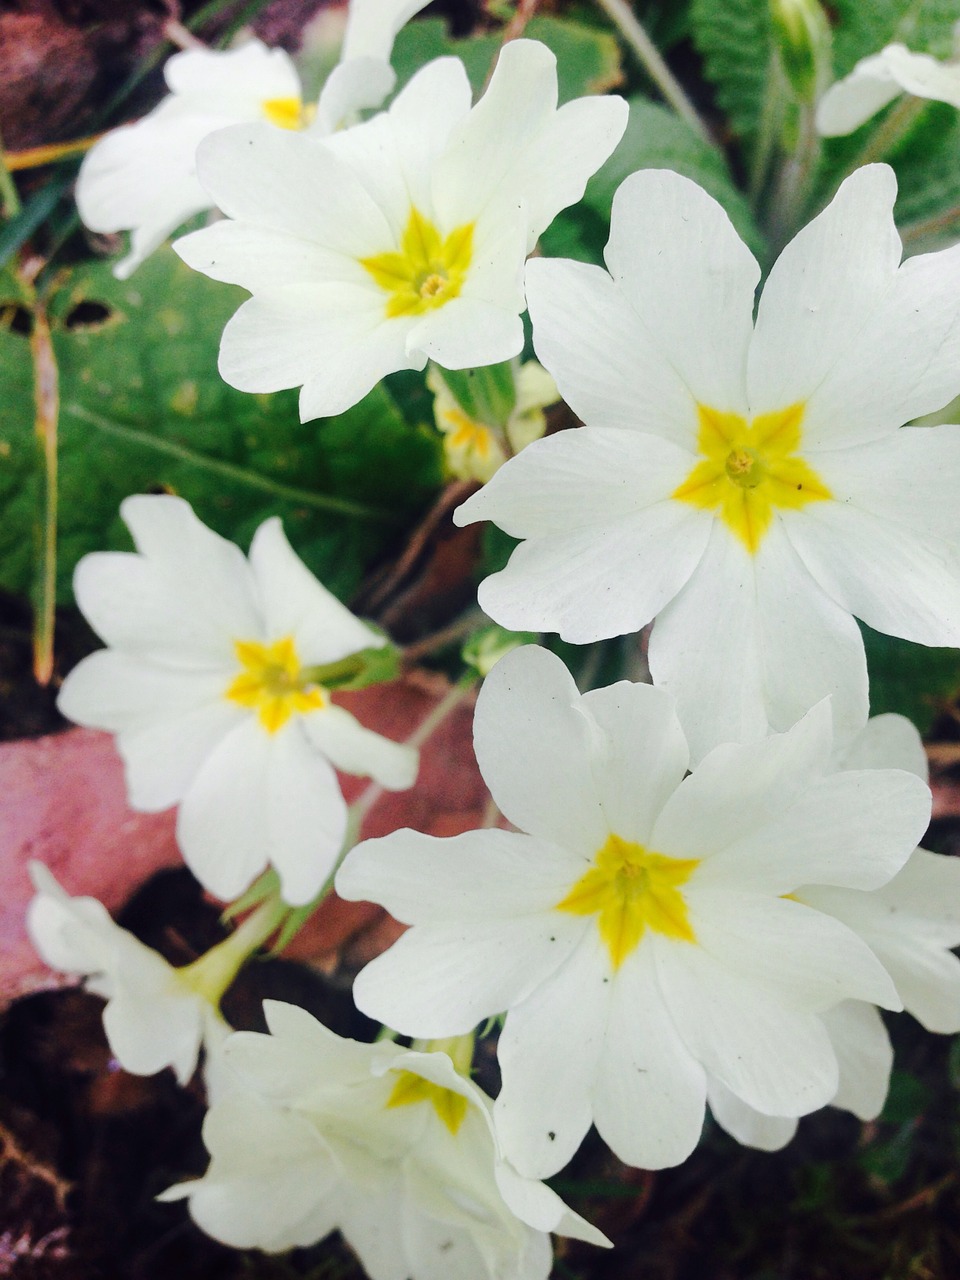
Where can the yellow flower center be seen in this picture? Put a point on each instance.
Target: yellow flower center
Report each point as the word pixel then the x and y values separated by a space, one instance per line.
pixel 410 1088
pixel 272 682
pixel 427 272
pixel 631 890
pixel 288 113
pixel 749 470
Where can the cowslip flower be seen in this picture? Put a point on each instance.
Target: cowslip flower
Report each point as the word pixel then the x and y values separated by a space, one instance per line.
pixel 874 83
pixel 640 931
pixel 911 924
pixel 142 177
pixel 213 684
pixel 746 485
pixel 391 1146
pixel 156 1015
pixel 398 240
pixel 473 449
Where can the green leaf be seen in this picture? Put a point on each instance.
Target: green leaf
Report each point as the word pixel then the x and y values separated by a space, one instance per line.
pixel 910 678
pixel 655 138
pixel 144 408
pixel 735 40
pixel 588 60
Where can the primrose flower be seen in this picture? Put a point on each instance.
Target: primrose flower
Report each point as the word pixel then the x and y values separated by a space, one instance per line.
pixel 391 1146
pixel 142 177
pixel 644 934
pixel 473 449
pixel 911 924
pixel 214 683
pixel 400 239
pixel 876 81
pixel 156 1015
pixel 747 486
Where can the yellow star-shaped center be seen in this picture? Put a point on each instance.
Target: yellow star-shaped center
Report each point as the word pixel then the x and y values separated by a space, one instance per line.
pixel 428 270
pixel 749 470
pixel 630 890
pixel 288 113
pixel 410 1088
pixel 272 682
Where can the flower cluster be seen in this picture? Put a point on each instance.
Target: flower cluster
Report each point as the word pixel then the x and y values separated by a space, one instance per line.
pixel 712 882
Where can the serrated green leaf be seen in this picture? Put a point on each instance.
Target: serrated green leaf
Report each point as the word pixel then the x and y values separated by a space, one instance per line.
pixel 144 408
pixel 588 60
pixel 655 138
pixel 735 40
pixel 910 678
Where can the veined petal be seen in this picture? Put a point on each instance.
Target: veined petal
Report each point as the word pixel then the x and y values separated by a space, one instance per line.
pixel 854 829
pixel 689 278
pixel 443 979
pixel 294 603
pixel 776 1059
pixel 898 581
pixel 774 645
pixel 529 710
pixel 820 296
pixel 648 1097
pixel 864 1054
pixel 543 1110
pixel 351 748
pixel 639 738
pixel 747 1125
pixel 487 874
pixel 603 357
pixel 180 599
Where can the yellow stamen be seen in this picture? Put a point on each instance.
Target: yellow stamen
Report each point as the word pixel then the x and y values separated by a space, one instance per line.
pixel 410 1088
pixel 749 470
pixel 272 684
pixel 288 113
pixel 428 270
pixel 631 890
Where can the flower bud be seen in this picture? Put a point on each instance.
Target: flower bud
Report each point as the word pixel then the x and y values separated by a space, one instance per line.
pixel 802 35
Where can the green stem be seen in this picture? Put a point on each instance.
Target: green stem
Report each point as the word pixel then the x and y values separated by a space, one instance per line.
pixel 230 471
pixel 792 192
pixel 926 227
pixel 771 120
pixel 215 970
pixel 633 33
pixel 459 1049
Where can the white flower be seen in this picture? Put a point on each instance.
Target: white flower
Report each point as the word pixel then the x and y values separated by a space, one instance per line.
pixel 392 1147
pixel 876 81
pixel 747 486
pixel 400 239
pixel 213 684
pixel 642 935
pixel 474 449
pixel 142 177
pixel 156 1016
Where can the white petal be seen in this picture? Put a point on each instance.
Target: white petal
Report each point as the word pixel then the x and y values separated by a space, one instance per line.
pixel 649 1093
pixel 480 875
pixel 183 600
pixel 549 1052
pixel 799 955
pixel 855 829
pixel 751 1127
pixel 356 85
pixel 468 332
pixel 150 1026
pixel 351 748
pixel 240 78
pixel 605 359
pixel 690 279
pixel 74 935
pixel 294 603
pixel 851 102
pixel 640 756
pixel 889 741
pixel 751 642
pixel 444 979
pixel 865 1055
pixel 900 582
pixel 373 24
pixel 821 294
pixel 262 798
pixel 736 790
pixel 775 1058
pixel 535 749
pixel 261 258
pixel 607 573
